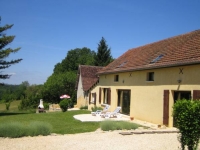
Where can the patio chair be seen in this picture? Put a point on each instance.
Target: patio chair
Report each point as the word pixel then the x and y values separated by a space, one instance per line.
pixel 100 112
pixel 113 114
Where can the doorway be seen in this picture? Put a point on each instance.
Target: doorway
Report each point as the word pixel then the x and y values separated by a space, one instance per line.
pixel 124 101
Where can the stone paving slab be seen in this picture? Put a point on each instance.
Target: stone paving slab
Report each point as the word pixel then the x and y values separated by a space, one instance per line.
pixel 152 128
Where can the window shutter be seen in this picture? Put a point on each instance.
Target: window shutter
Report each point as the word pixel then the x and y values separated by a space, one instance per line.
pixel 196 94
pixel 95 95
pixel 90 98
pixel 99 95
pixel 109 96
pixel 166 107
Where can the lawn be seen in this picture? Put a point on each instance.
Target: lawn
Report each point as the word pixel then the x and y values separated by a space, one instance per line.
pixel 62 123
pixel 13 106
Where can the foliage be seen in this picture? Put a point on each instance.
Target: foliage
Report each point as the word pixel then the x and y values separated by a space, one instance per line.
pixel 95 108
pixel 6 51
pixel 186 114
pixel 63 79
pixel 84 107
pixel 103 56
pixel 74 58
pixel 64 105
pixel 13 106
pixel 32 96
pixel 16 129
pixel 117 125
pixel 46 105
pixel 62 123
pixel 59 84
pixel 14 92
pixel 7 105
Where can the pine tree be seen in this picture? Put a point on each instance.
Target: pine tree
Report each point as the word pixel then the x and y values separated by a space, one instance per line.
pixel 6 51
pixel 103 56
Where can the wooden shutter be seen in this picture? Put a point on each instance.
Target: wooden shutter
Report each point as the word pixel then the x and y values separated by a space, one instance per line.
pixel 166 107
pixel 95 98
pixel 109 96
pixel 196 94
pixel 99 95
pixel 90 98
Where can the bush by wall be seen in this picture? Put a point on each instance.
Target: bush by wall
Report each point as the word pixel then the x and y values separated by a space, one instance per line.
pixel 186 115
pixel 84 107
pixel 95 108
pixel 16 129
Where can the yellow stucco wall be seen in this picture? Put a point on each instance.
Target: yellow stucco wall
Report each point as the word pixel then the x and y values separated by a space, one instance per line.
pixel 95 90
pixel 81 101
pixel 147 96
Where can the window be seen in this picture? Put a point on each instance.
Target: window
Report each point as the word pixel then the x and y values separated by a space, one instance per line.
pixel 156 59
pixel 150 76
pixel 93 98
pixel 116 78
pixel 121 65
pixel 107 96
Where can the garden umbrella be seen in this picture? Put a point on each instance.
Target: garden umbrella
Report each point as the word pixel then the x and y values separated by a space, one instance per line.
pixel 64 96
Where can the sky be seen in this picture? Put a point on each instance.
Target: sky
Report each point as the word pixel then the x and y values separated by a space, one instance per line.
pixel 47 29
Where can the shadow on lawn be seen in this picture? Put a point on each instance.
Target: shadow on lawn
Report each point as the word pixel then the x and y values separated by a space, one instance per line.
pixel 13 113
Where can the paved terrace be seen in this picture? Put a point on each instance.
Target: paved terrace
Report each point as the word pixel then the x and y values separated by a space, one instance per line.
pixel 152 128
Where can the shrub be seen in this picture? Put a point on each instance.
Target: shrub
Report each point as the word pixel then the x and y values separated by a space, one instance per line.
pixel 117 125
pixel 39 128
pixel 186 114
pixel 64 105
pixel 16 129
pixel 7 105
pixel 95 108
pixel 12 129
pixel 46 105
pixel 84 107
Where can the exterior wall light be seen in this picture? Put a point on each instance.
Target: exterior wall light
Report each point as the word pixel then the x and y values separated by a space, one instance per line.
pixel 179 81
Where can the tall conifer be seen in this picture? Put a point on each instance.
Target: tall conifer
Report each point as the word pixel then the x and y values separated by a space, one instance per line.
pixel 5 51
pixel 103 56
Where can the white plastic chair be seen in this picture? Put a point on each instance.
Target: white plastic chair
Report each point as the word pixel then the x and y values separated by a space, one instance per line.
pixel 113 114
pixel 100 112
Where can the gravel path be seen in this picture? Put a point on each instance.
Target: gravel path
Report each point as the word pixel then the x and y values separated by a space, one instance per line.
pixel 94 140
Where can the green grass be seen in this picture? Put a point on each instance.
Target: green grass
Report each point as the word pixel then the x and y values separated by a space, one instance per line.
pixel 62 123
pixel 13 106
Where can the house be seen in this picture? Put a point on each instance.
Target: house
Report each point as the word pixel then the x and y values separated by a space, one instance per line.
pixel 146 81
pixel 87 77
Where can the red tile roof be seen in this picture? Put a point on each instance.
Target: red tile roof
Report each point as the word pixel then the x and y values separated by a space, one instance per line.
pixel 88 75
pixel 175 51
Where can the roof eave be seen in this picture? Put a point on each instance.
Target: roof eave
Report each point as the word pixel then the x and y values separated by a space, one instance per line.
pixel 149 68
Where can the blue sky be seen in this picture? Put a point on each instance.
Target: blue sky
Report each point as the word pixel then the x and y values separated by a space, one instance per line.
pixel 47 29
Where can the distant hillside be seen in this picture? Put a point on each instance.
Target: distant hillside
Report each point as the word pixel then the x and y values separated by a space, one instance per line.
pixel 7 87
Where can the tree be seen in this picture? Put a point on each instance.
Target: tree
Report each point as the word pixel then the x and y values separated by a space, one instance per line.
pixel 103 56
pixel 74 58
pixel 59 84
pixel 5 51
pixel 63 79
